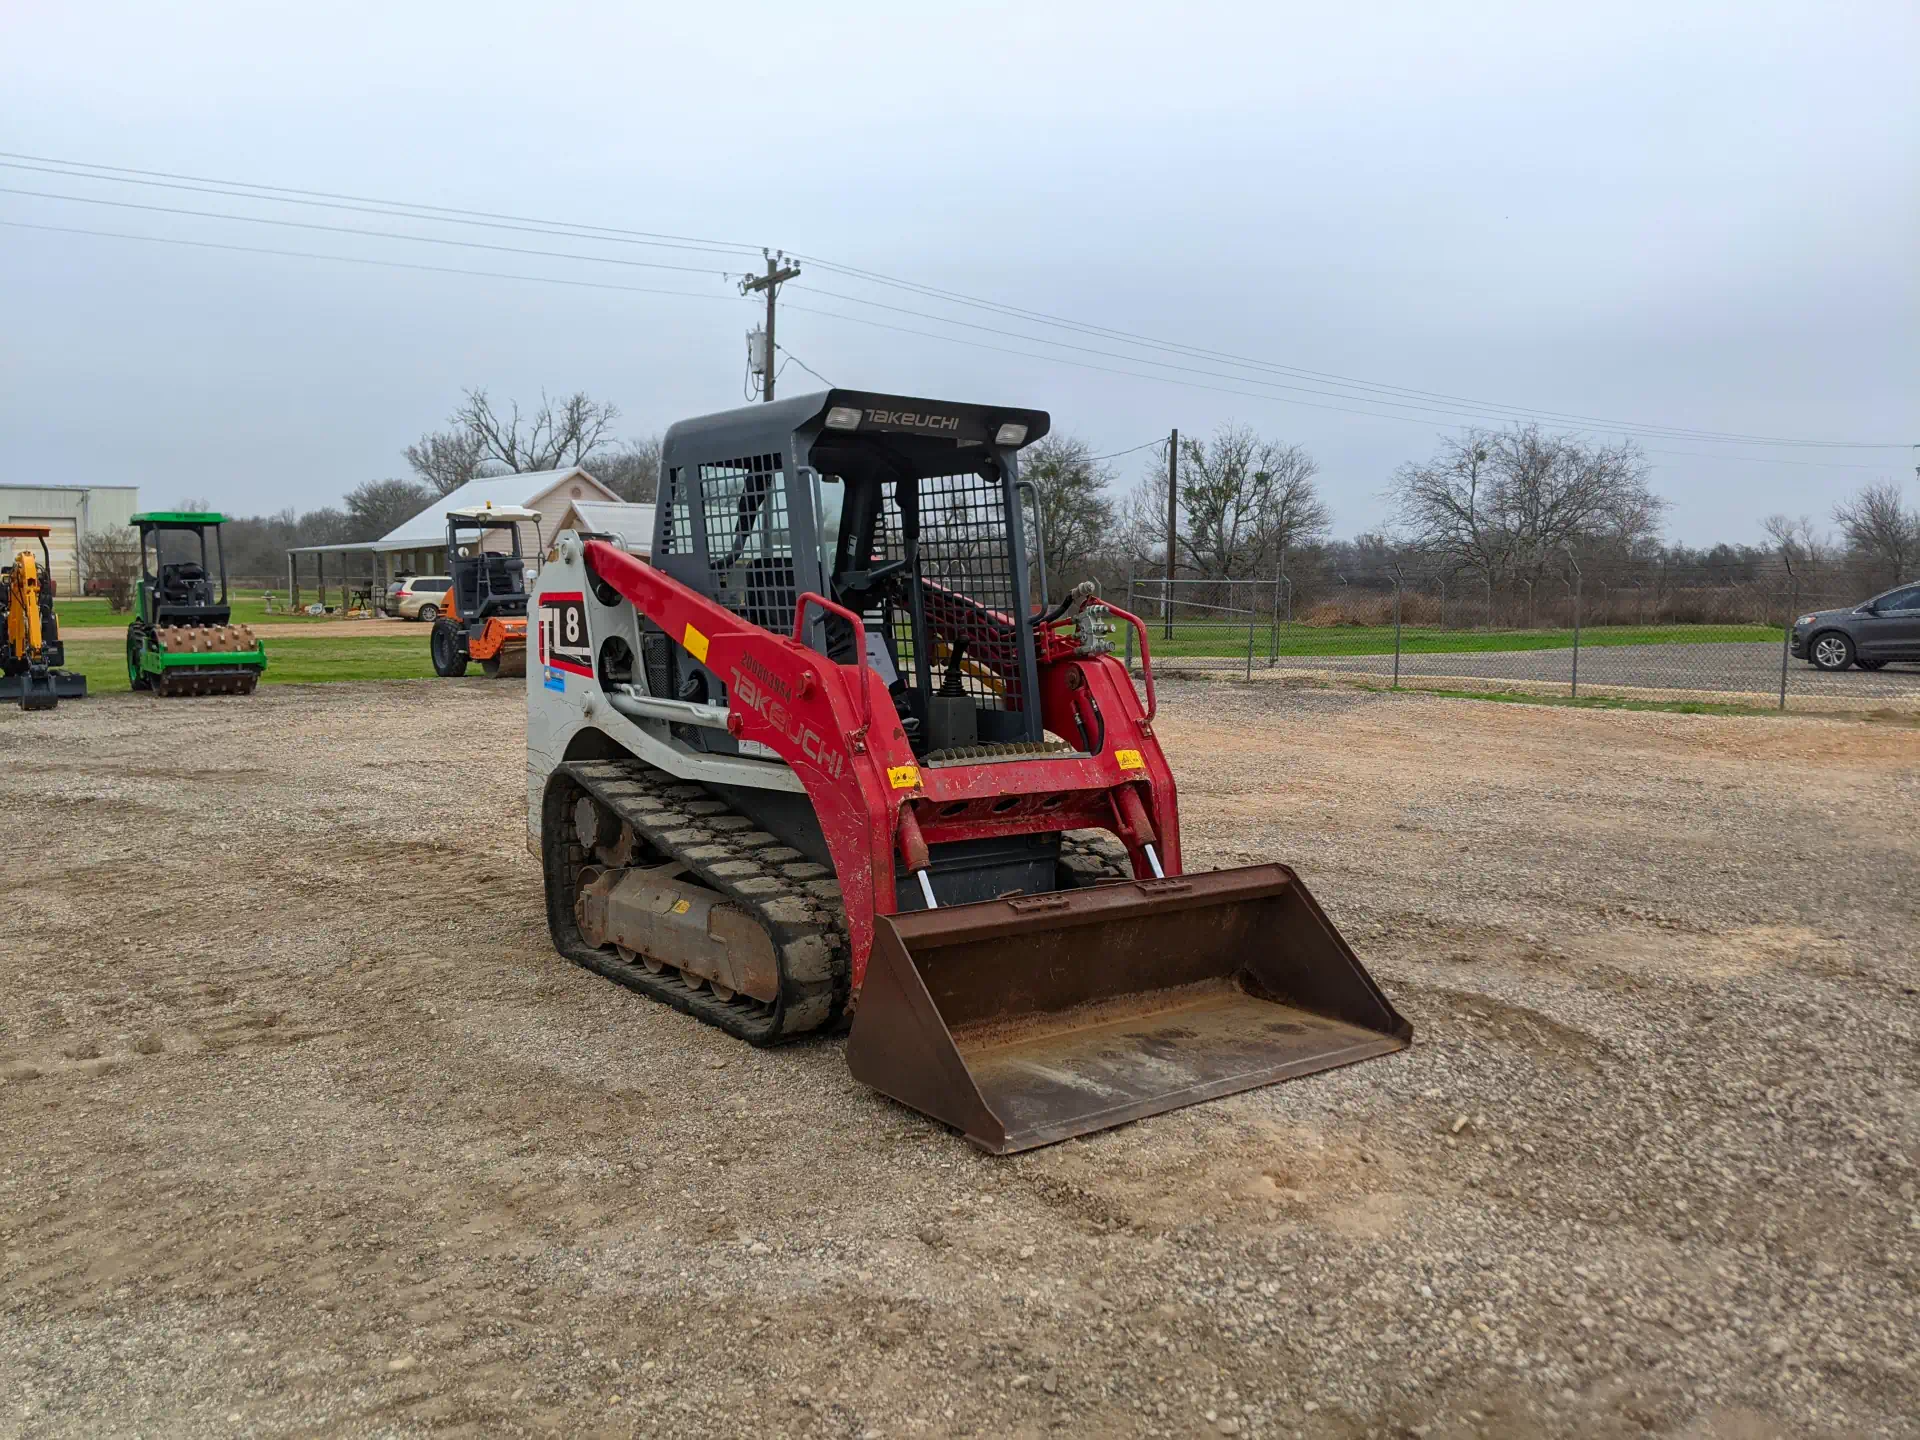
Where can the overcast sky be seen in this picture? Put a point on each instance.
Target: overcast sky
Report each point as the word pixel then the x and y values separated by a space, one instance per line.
pixel 1693 215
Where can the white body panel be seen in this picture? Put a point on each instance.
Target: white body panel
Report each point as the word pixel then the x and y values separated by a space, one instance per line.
pixel 563 705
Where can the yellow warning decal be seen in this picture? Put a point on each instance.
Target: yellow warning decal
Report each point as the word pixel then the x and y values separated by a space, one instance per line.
pixel 1129 760
pixel 680 907
pixel 904 777
pixel 696 644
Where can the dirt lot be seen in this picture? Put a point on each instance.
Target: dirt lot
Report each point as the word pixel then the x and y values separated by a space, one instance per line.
pixel 308 1131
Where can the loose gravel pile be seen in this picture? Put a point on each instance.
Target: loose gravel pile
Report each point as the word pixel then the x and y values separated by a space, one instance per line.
pixel 308 1130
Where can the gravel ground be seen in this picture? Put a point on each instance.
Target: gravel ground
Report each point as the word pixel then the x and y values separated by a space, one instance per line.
pixel 309 1132
pixel 1735 666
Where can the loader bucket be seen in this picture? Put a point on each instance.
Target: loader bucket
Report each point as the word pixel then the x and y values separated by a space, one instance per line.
pixel 1029 1020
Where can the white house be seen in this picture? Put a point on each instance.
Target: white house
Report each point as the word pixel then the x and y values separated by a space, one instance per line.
pixel 630 525
pixel 418 546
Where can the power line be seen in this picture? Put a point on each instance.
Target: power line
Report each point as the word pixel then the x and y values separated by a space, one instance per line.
pixel 1255 395
pixel 1178 347
pixel 852 319
pixel 804 366
pixel 1371 391
pixel 355 230
pixel 363 260
pixel 1377 391
pixel 1650 432
pixel 291 195
pixel 1149 445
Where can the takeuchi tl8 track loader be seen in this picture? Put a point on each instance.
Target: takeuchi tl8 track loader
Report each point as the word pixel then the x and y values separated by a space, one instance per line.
pixel 823 759
pixel 30 650
pixel 486 615
pixel 183 640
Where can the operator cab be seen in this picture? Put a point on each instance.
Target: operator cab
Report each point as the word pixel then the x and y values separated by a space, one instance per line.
pixel 487 582
pixel 187 582
pixel 904 511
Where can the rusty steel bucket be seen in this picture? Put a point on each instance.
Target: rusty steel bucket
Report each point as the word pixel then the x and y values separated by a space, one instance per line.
pixel 1025 1021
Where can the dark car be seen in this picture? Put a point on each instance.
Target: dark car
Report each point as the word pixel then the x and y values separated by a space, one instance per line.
pixel 1885 628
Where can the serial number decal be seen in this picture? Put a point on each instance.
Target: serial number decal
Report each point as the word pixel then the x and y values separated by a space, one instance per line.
pixel 563 639
pixel 1129 760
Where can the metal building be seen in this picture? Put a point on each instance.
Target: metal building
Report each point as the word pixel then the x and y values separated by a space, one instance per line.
pixel 70 511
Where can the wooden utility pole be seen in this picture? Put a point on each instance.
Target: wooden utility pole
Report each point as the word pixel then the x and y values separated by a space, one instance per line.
pixel 1173 522
pixel 778 272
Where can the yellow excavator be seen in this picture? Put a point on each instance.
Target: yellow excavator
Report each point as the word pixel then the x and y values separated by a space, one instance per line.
pixel 30 651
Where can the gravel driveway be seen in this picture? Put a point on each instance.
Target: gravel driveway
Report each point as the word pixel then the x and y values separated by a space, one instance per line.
pixel 309 1132
pixel 1739 666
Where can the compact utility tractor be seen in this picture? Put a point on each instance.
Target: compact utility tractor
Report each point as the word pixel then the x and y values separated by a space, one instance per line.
pixel 30 650
pixel 486 614
pixel 183 640
pixel 825 758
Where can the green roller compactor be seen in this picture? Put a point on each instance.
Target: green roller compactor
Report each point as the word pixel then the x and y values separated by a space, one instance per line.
pixel 182 640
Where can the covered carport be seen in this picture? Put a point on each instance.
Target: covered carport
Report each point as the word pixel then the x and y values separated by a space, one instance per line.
pixel 363 565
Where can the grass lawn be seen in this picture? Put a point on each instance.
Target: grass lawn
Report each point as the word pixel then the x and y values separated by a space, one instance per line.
pixel 293 660
pixel 1198 640
pixel 249 608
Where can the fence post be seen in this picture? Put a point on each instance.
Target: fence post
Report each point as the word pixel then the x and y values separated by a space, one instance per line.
pixel 1489 599
pixel 1396 630
pixel 1576 625
pixel 1273 643
pixel 1786 632
pixel 1132 609
pixel 1251 620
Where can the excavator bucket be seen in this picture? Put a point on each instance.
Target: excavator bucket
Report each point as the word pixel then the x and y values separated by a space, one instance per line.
pixel 1033 1019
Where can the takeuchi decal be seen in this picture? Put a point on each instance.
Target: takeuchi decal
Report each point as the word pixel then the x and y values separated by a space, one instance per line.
pixel 750 694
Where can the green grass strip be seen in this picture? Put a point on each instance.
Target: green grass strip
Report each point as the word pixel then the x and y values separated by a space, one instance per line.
pixel 291 660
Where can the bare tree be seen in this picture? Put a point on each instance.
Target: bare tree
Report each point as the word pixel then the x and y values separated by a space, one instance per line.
pixel 1808 555
pixel 1243 501
pixel 448 459
pixel 1882 533
pixel 1508 503
pixel 630 470
pixel 379 505
pixel 555 434
pixel 1074 515
pixel 111 559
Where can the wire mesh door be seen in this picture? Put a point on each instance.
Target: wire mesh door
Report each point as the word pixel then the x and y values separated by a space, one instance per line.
pixel 967 596
pixel 743 509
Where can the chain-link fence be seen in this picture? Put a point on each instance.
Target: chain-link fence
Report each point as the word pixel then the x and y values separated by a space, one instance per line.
pixel 1655 633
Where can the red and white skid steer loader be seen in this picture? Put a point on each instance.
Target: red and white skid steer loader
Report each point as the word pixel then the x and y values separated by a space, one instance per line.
pixel 823 759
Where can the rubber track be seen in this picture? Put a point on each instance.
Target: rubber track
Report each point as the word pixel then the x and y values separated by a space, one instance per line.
pixel 795 899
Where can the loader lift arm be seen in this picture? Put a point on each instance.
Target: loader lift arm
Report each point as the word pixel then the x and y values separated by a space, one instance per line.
pixel 834 723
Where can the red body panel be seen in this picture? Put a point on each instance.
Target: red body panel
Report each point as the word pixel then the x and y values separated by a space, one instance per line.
pixel 814 714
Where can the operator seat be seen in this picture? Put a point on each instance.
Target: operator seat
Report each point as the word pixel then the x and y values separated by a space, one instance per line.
pixel 185 583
